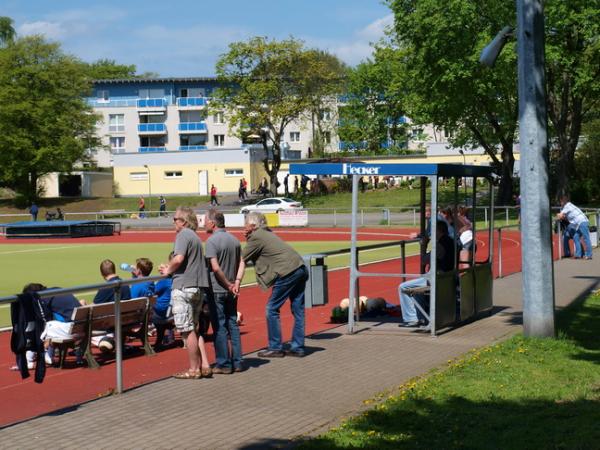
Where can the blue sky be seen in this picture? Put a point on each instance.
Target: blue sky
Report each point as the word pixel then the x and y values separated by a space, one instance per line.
pixel 185 37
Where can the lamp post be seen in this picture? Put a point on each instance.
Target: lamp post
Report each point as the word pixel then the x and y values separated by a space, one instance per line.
pixel 464 178
pixel 149 189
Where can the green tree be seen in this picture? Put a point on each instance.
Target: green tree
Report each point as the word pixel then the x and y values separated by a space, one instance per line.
pixel 572 79
pixel 108 69
pixel 585 188
pixel 445 84
pixel 374 107
pixel 45 124
pixel 7 31
pixel 326 76
pixel 265 85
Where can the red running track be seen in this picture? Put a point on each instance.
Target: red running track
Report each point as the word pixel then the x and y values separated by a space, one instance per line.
pixel 23 399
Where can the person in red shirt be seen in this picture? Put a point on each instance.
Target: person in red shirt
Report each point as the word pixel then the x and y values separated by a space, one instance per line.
pixel 213 196
pixel 142 207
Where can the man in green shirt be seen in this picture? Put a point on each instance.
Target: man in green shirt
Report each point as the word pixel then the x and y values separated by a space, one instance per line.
pixel 276 265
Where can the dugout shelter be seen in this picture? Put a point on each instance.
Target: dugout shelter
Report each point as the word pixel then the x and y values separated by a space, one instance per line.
pixel 455 296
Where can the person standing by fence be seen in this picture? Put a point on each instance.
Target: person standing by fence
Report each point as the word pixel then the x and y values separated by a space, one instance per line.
pixel 223 254
pixel 279 266
pixel 189 289
pixel 581 224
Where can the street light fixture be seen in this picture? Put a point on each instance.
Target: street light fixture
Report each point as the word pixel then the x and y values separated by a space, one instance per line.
pixel 149 189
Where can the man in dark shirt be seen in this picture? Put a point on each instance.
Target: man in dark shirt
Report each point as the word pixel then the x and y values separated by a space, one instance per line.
pixel 106 295
pixel 445 258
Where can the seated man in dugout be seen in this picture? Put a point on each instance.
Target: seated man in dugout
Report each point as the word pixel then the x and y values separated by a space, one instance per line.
pixel 445 263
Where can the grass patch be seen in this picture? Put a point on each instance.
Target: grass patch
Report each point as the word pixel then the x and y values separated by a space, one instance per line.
pixel 523 393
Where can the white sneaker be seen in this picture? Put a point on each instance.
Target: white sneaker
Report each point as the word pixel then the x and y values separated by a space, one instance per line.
pixel 105 345
pixel 48 359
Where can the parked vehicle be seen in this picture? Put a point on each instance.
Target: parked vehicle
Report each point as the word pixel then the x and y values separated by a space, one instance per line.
pixel 274 204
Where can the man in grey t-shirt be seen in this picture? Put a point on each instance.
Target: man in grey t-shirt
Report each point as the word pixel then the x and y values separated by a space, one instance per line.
pixel 223 253
pixel 190 282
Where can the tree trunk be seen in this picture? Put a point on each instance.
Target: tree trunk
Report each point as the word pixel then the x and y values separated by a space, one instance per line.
pixel 505 191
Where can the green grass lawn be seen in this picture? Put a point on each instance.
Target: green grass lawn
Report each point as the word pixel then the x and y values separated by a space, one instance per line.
pixel 520 394
pixel 73 264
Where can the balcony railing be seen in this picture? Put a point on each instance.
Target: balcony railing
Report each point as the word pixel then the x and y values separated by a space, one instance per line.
pixel 152 103
pixel 152 128
pixel 191 148
pixel 152 149
pixel 191 102
pixel 192 127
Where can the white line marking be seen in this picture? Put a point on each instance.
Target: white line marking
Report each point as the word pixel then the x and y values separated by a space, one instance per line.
pixel 12 252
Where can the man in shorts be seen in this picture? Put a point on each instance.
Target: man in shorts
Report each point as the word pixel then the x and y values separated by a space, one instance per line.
pixel 190 284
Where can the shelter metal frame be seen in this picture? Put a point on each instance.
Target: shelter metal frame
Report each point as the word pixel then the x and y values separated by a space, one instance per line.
pixel 432 173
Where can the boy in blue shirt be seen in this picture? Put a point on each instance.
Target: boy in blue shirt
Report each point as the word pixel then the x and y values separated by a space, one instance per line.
pixel 143 268
pixel 162 310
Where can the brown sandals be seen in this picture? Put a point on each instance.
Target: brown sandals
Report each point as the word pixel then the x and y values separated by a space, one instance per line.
pixel 205 372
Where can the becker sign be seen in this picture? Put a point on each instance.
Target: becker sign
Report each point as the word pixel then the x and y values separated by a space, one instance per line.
pixel 349 169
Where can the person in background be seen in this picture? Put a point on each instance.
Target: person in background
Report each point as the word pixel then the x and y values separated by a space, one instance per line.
pixel 295 185
pixel 59 214
pixel 579 221
pixel 213 196
pixel 286 185
pixel 163 206
pixel 33 210
pixel 143 268
pixel 142 207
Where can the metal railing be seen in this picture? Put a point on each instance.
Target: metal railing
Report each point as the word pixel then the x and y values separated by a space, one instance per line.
pixel 116 286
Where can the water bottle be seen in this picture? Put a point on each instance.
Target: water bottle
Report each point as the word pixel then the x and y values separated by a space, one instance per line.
pixel 127 267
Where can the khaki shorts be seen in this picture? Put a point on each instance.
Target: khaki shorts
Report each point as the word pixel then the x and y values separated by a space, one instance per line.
pixel 186 304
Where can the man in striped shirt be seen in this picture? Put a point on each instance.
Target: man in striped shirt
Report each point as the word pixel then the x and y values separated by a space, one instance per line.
pixel 579 221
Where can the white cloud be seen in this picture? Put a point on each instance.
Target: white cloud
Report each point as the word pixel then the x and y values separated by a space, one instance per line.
pixel 359 47
pixel 51 30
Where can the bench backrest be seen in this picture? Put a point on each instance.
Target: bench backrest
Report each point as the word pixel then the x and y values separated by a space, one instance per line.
pixel 132 312
pixel 79 317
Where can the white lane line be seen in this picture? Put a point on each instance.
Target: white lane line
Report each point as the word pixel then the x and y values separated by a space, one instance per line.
pixel 32 250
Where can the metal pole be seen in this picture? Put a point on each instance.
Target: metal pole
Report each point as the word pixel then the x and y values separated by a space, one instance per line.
pixel 485 215
pixel 118 339
pixel 433 255
pixel 353 275
pixel 149 189
pixel 506 214
pixel 334 218
pixel 403 258
pixel 499 252
pixel 538 276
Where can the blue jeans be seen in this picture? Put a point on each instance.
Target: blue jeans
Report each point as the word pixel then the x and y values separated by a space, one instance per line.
pixel 583 231
pixel 290 286
pixel 407 302
pixel 568 234
pixel 224 307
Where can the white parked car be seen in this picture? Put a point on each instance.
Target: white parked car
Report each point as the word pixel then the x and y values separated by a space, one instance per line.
pixel 274 204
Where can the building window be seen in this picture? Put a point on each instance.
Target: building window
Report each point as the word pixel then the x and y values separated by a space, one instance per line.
pixel 219 140
pixel 325 114
pixel 174 174
pixel 103 97
pixel 219 117
pixel 234 172
pixel 327 137
pixel 117 144
pixel 138 176
pixel 294 136
pixel 116 122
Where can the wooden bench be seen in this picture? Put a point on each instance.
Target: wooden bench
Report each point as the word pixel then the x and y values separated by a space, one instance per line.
pixel 111 212
pixel 89 320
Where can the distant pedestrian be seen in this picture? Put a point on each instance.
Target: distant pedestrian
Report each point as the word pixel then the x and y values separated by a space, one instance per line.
pixel 279 266
pixel 295 185
pixel 304 184
pixel 142 207
pixel 286 185
pixel 213 196
pixel 163 206
pixel 245 188
pixel 33 210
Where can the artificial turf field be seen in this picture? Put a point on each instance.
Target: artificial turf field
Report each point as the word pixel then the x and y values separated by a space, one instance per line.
pixel 75 262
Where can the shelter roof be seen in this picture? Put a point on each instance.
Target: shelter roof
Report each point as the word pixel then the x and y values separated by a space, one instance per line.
pixel 442 170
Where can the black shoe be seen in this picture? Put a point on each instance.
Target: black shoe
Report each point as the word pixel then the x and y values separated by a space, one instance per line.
pixel 271 354
pixel 295 353
pixel 413 324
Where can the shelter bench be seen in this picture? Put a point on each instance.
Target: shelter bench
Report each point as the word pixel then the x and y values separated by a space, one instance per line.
pixel 90 320
pixel 111 212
